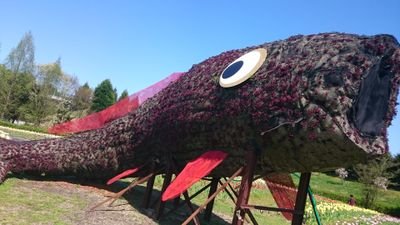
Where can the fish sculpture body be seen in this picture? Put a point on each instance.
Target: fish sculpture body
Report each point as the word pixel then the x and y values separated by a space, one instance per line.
pixel 317 102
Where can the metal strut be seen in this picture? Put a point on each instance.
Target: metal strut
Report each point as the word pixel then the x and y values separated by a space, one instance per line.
pixel 245 188
pixel 149 190
pixel 301 198
pixel 243 208
pixel 191 217
pixel 210 205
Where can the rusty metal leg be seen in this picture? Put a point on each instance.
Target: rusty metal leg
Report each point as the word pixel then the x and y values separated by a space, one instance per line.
pixel 248 212
pixel 245 187
pixel 239 171
pixel 149 190
pixel 189 204
pixel 189 198
pixel 210 205
pixel 301 199
pixel 161 204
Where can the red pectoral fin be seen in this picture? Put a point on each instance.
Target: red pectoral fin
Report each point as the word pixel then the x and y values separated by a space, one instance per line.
pixel 193 172
pixel 283 191
pixel 122 175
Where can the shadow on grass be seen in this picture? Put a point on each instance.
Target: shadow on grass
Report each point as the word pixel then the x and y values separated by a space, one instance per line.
pixel 134 198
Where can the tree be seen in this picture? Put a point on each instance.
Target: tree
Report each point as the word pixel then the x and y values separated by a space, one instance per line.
pixel 115 94
pixel 42 101
pixel 20 97
pixel 21 60
pixel 104 96
pixel 5 89
pixel 64 112
pixel 82 98
pixel 124 94
pixel 40 105
pixel 51 95
pixel 62 84
pixel 374 175
pixel 395 169
pixel 14 93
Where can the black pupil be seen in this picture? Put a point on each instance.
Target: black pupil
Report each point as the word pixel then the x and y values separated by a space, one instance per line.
pixel 232 69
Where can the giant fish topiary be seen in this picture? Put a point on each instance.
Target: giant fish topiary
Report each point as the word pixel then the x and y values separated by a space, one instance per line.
pixel 317 102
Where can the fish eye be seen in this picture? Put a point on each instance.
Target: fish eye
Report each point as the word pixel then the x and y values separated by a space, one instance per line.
pixel 242 68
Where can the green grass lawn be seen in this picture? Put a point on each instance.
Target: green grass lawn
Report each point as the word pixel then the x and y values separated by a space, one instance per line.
pixel 27 205
pixel 388 201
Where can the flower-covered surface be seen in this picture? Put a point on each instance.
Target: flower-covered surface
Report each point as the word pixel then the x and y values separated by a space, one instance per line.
pixel 317 102
pixel 336 213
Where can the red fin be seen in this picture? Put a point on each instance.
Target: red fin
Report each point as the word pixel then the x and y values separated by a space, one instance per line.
pixel 283 191
pixel 122 175
pixel 193 172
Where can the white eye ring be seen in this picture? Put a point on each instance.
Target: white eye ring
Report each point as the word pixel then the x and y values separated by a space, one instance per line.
pixel 242 68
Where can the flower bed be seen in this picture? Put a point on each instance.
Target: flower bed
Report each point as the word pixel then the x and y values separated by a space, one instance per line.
pixel 340 213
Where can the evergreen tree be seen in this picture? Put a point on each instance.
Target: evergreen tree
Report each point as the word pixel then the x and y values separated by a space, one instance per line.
pixel 124 94
pixel 104 96
pixel 115 94
pixel 395 169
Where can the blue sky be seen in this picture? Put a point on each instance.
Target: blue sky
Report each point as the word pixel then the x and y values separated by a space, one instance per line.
pixel 137 43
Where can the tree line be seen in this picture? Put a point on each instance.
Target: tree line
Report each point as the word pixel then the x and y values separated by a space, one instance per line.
pixel 43 93
pixel 375 175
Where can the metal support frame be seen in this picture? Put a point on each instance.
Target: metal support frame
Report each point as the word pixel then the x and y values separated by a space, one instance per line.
pixel 210 205
pixel 245 188
pixel 189 204
pixel 161 204
pixel 172 168
pixel 240 198
pixel 234 199
pixel 314 205
pixel 114 197
pixel 149 191
pixel 242 206
pixel 273 209
pixel 301 198
pixel 194 214
pixel 298 211
pixel 190 198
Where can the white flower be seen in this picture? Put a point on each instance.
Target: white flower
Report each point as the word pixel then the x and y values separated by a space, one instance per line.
pixel 381 182
pixel 342 173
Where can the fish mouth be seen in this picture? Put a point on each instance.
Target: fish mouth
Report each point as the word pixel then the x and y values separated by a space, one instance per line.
pixel 370 109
